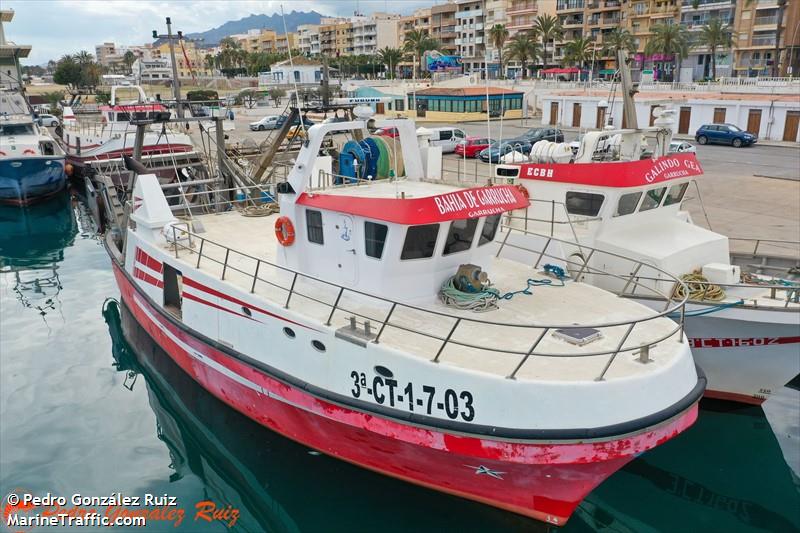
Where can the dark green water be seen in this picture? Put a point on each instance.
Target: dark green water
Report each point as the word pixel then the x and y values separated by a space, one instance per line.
pixel 82 410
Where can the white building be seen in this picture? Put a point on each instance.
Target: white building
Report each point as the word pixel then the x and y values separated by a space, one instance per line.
pixel 770 117
pixel 308 39
pixel 470 38
pixel 145 71
pixel 374 32
pixel 304 71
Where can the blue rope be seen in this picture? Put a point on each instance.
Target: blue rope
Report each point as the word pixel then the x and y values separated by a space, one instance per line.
pixel 712 309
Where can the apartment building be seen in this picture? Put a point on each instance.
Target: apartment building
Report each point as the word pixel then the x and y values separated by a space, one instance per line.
pixel 335 37
pixel 420 21
pixel 693 17
pixel 471 40
pixel 196 63
pixel 107 54
pixel 756 26
pixel 443 27
pixel 308 39
pixel 263 40
pixel 370 34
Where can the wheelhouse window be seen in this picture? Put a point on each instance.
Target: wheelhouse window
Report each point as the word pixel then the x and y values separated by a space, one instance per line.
pixel 460 236
pixel 628 202
pixel 584 203
pixel 375 238
pixel 420 242
pixel 489 230
pixel 675 194
pixel 314 227
pixel 652 199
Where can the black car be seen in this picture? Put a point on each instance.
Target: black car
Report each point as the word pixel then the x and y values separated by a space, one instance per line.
pixel 535 135
pixel 496 150
pixel 296 122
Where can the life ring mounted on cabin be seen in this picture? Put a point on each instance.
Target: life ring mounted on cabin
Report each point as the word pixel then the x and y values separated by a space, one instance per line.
pixel 284 231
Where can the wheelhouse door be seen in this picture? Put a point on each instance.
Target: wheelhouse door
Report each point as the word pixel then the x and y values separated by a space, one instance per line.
pixel 346 248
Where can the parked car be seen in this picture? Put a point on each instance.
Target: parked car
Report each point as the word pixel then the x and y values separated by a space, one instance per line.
pixel 535 135
pixel 724 134
pixel 447 137
pixel 681 147
pixel 48 120
pixel 472 146
pixel 387 132
pixel 266 123
pixel 281 119
pixel 296 131
pixel 497 150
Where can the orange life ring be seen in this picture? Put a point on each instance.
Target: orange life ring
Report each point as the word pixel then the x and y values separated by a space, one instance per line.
pixel 524 191
pixel 2 152
pixel 284 231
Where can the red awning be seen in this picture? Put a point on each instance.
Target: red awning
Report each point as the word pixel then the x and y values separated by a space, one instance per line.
pixel 571 70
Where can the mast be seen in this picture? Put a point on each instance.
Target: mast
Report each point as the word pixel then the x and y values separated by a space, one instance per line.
pixel 628 90
pixel 176 84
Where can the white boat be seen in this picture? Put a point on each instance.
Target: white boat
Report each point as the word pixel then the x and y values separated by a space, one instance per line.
pixel 114 136
pixel 332 323
pixel 744 328
pixel 31 162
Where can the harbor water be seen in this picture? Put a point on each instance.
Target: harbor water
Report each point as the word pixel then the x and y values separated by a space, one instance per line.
pixel 90 405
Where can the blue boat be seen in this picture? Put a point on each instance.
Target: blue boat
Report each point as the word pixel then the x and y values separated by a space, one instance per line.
pixel 31 162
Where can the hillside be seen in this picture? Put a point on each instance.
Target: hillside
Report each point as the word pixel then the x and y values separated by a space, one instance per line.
pixel 252 22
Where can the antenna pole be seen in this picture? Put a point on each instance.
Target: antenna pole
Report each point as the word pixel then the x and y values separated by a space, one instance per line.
pixel 176 83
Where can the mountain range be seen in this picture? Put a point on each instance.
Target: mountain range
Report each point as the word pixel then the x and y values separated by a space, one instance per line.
pixel 270 22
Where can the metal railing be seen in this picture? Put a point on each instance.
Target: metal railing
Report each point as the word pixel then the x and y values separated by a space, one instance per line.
pixel 791 246
pixel 201 248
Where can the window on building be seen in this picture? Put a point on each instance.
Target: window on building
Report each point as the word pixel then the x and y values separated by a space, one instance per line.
pixel 420 241
pixel 584 203
pixel 489 230
pixel 652 199
pixel 375 238
pixel 675 194
pixel 627 203
pixel 314 226
pixel 460 236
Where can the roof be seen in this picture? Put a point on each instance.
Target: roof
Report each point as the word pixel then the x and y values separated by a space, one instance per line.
pixel 298 61
pixel 466 91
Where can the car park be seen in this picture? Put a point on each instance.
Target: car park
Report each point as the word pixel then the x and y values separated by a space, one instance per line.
pixel 680 147
pixel 266 123
pixel 496 150
pixel 535 135
pixel 724 134
pixel 296 122
pixel 472 146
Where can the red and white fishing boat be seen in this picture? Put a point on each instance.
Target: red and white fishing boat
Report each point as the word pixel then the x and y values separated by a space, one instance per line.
pixel 114 136
pixel 744 328
pixel 326 323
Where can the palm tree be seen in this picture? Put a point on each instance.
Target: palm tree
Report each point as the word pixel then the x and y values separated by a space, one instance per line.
pixel 418 42
pixel 498 34
pixel 579 51
pixel 669 39
pixel 229 42
pixel 390 57
pixel 129 59
pixel 776 63
pixel 523 47
pixel 84 58
pixel 616 40
pixel 549 28
pixel 714 35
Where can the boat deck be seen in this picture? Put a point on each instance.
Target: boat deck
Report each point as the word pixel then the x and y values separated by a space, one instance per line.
pixel 420 332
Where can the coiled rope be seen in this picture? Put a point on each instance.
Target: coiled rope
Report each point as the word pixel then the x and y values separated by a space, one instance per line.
pixel 699 288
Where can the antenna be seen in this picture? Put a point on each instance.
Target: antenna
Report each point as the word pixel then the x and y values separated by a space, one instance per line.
pixel 291 64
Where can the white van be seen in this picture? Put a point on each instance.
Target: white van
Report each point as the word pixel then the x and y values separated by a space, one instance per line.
pixel 447 138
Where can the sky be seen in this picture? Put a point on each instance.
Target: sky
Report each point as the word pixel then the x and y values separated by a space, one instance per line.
pixel 58 27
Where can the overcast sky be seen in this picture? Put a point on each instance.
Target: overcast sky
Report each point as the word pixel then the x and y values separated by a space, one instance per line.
pixel 58 27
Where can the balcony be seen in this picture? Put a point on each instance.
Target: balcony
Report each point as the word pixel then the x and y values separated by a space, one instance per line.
pixel 521 22
pixel 610 21
pixel 469 14
pixel 763 41
pixel 523 7
pixel 572 22
pixel 767 4
pixel 570 5
pixel 771 20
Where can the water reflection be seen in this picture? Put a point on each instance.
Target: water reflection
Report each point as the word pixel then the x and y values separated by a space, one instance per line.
pixel 727 473
pixel 32 243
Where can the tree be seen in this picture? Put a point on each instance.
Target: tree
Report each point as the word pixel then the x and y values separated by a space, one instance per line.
pixel 549 28
pixel 579 51
pixel 715 35
pixel 68 72
pixel 616 40
pixel 129 59
pixel 390 57
pixel 418 42
pixel 669 39
pixel 498 35
pixel 229 43
pixel 276 93
pixel 523 47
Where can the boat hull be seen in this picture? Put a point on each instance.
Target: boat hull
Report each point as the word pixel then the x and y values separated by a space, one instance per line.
pixel 542 480
pixel 27 180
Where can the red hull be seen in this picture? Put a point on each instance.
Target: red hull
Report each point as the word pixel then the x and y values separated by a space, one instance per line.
pixel 542 480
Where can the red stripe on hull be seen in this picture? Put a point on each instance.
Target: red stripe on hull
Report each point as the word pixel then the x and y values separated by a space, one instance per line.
pixel 545 481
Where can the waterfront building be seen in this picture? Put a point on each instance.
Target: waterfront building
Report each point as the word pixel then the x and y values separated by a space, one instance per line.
pixel 443 27
pixel 438 104
pixel 756 26
pixel 308 39
pixel 300 69
pixel 471 39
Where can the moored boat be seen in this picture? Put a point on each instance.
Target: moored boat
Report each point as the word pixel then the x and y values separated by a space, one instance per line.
pixel 352 328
